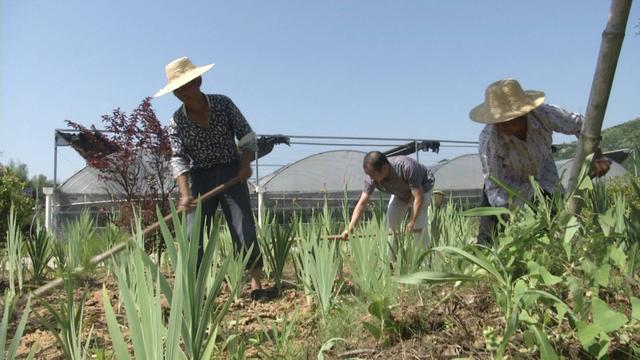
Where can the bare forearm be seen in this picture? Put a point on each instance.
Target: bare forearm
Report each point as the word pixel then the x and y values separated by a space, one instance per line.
pixel 183 185
pixel 247 158
pixel 418 200
pixel 417 209
pixel 357 215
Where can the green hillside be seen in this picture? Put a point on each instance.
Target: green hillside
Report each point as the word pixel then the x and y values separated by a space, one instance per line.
pixel 623 136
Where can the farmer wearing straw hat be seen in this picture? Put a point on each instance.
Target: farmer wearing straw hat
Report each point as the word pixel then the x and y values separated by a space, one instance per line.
pixel 516 144
pixel 202 133
pixel 409 183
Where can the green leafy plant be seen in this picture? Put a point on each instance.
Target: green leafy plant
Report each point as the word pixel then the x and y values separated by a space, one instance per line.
pixel 80 241
pixel 369 262
pixel 68 321
pixel 409 254
pixel 512 295
pixel 201 316
pixel 318 266
pixel 278 336
pixel 141 296
pixel 39 247
pixel 9 353
pixel 276 248
pixel 386 328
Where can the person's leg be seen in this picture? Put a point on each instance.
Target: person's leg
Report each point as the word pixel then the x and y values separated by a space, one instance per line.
pixel 236 206
pixel 487 226
pixel 396 211
pixel 201 182
pixel 422 222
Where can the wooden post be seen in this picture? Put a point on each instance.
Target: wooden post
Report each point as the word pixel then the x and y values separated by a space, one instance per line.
pixel 600 90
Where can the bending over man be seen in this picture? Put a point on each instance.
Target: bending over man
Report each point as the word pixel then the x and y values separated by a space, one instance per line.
pixel 409 183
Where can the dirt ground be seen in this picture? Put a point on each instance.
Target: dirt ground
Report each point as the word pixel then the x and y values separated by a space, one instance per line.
pixel 432 327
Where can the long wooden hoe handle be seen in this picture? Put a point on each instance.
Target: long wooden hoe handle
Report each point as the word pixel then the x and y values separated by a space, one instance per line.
pixel 97 259
pixel 339 236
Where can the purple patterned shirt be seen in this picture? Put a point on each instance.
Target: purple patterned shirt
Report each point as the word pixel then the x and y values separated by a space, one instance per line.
pixel 513 161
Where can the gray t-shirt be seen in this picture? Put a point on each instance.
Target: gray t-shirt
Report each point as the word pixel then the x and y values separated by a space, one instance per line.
pixel 406 173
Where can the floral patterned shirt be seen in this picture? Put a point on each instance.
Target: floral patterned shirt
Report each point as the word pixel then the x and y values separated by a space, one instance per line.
pixel 194 146
pixel 512 160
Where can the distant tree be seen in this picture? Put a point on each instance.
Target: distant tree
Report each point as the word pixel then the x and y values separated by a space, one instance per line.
pixel 19 169
pixel 12 191
pixel 139 164
pixel 154 140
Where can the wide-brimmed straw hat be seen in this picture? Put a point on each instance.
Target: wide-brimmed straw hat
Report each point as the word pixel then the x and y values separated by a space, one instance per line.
pixel 179 72
pixel 505 100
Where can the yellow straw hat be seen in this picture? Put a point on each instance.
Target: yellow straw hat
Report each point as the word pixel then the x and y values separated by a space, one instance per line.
pixel 505 100
pixel 179 72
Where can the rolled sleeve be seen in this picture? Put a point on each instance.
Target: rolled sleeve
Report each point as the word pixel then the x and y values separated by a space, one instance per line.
pixel 561 120
pixel 180 162
pixel 241 128
pixel 248 142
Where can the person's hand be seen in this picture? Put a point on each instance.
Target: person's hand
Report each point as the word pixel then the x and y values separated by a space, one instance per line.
pixel 599 167
pixel 185 203
pixel 345 235
pixel 410 226
pixel 244 173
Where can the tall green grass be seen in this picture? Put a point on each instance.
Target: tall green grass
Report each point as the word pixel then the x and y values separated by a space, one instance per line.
pixel 8 311
pixel 15 243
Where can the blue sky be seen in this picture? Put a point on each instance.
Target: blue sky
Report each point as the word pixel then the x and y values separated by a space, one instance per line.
pixel 354 68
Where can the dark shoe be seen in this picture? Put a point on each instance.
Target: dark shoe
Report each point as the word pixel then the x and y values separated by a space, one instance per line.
pixel 264 295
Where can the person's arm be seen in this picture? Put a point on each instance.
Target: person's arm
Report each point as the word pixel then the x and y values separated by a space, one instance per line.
pixel 418 199
pixel 560 120
pixel 358 211
pixel 180 166
pixel 247 142
pixel 185 193
pixel 570 123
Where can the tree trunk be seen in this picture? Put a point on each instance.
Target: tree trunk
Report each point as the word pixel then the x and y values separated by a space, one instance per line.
pixel 589 139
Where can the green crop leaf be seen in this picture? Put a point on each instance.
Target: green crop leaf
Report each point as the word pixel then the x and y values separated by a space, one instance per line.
pixel 587 333
pixel 548 278
pixel 635 308
pixel 606 222
pixel 432 277
pixel 606 319
pixel 547 351
pixel 477 259
pixel 119 346
pixel 486 211
pixel 328 345
pixel 619 258
pixel 374 330
pixel 585 184
pixel 572 229
pixel 601 276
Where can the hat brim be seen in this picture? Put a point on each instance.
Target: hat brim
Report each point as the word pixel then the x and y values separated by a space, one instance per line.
pixel 485 115
pixel 183 79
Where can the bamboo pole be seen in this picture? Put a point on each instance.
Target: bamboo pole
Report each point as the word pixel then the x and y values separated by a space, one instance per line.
pixel 97 259
pixel 589 140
